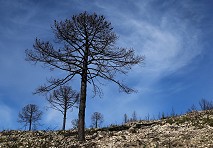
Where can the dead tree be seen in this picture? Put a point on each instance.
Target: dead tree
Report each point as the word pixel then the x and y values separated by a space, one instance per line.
pixel 125 118
pixel 205 104
pixel 30 114
pixel 134 116
pixel 97 119
pixel 87 50
pixel 62 100
pixel 74 123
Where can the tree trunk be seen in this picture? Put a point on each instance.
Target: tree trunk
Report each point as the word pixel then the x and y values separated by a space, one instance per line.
pixel 81 122
pixel 82 106
pixel 30 121
pixel 96 123
pixel 30 125
pixel 64 119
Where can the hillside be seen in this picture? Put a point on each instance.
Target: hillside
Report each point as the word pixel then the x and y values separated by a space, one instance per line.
pixel 190 130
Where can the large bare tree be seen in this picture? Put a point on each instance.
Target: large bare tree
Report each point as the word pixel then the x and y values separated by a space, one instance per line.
pixel 30 114
pixel 62 100
pixel 88 50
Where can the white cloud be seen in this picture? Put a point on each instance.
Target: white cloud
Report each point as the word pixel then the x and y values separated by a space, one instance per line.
pixel 6 116
pixel 168 46
pixel 53 116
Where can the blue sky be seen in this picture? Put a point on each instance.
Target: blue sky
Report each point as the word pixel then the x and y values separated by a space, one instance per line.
pixel 176 37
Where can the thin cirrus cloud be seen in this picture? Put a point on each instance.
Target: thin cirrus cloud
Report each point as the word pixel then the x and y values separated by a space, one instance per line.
pixel 168 46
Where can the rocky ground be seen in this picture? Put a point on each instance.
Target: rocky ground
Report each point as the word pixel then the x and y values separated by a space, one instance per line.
pixel 193 130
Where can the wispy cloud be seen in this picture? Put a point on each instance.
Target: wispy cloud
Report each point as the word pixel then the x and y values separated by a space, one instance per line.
pixel 6 116
pixel 165 32
pixel 168 42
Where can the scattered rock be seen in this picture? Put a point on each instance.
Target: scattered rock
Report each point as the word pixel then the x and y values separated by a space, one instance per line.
pixel 190 130
pixel 132 130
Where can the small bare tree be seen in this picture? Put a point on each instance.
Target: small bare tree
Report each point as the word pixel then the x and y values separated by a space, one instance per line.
pixel 205 104
pixel 125 118
pixel 173 114
pixel 88 50
pixel 97 119
pixel 30 114
pixel 193 108
pixel 134 116
pixel 74 123
pixel 62 100
pixel 147 117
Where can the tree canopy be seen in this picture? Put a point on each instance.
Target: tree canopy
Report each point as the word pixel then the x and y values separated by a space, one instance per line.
pixel 63 99
pixel 86 46
pixel 30 114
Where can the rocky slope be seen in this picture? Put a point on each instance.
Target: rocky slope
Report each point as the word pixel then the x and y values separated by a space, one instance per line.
pixel 193 130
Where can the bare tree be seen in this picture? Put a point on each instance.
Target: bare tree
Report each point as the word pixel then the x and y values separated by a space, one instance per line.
pixel 147 117
pixel 89 50
pixel 193 108
pixel 97 119
pixel 30 114
pixel 125 118
pixel 134 116
pixel 173 114
pixel 205 104
pixel 62 100
pixel 163 116
pixel 75 123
